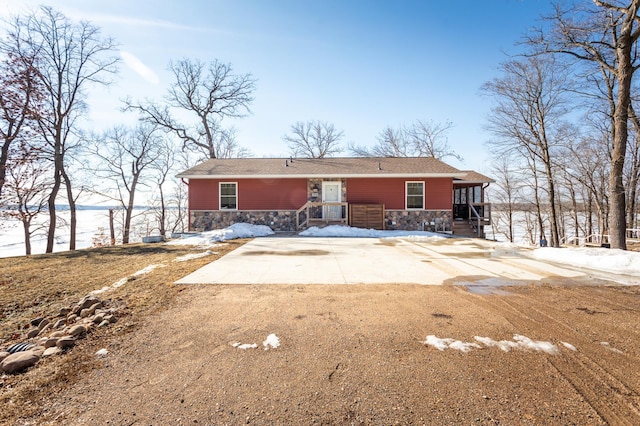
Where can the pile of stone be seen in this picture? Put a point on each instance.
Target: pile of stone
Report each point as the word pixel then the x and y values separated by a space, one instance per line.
pixel 55 335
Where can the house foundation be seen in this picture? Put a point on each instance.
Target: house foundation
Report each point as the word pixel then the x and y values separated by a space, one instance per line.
pixel 418 220
pixel 278 221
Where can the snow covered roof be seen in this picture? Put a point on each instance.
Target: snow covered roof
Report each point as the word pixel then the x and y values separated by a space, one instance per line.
pixel 322 168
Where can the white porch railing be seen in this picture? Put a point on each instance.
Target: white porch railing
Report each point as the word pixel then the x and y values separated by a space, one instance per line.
pixel 318 212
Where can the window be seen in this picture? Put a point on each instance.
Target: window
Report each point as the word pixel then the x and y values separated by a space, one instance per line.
pixel 228 196
pixel 415 195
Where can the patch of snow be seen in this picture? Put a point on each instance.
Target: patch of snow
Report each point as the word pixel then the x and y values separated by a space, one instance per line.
pixel 193 256
pixel 245 345
pixel 123 281
pixel 569 346
pixel 608 260
pixel 442 344
pixel 519 342
pixel 272 341
pixel 237 230
pixel 537 346
pixel 348 231
pixel 504 345
pixel 102 352
pixel 147 269
pixel 611 348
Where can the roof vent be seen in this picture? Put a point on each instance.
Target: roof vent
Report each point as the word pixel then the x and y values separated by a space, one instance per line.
pixel 379 166
pixel 286 163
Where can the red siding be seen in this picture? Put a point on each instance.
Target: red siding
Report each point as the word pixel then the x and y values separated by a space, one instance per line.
pixel 291 194
pixel 203 194
pixel 253 194
pixel 391 192
pixel 271 194
pixel 439 193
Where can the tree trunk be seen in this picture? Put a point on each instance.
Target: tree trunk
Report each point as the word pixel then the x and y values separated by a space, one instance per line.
pixel 129 211
pixel 51 233
pixel 72 212
pixel 163 213
pixel 112 230
pixel 26 225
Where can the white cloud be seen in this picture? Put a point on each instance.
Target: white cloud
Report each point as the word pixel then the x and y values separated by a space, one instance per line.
pixel 138 67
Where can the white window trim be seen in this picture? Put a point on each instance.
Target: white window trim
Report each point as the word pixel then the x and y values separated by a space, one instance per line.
pixel 220 195
pixel 406 194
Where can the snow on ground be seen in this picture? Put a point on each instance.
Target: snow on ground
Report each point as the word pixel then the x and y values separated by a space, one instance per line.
pixel 348 231
pixel 271 342
pixel 123 281
pixel 519 342
pixel 194 256
pixel 607 260
pixel 209 238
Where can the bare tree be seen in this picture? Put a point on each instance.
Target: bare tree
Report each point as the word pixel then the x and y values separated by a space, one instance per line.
pixel 313 139
pixel 208 93
pixel 19 98
pixel 506 193
pixel 429 139
pixel 124 156
pixel 27 189
pixel 605 35
pixel 391 143
pixel 527 118
pixel 161 171
pixel 68 57
pixel 421 139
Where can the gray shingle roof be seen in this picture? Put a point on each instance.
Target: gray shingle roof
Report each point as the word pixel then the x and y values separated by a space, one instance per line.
pixel 322 167
pixel 473 177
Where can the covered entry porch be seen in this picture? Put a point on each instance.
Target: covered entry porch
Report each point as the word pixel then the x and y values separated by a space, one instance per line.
pixel 470 211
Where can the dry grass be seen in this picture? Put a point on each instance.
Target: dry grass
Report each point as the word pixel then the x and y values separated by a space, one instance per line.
pixel 40 285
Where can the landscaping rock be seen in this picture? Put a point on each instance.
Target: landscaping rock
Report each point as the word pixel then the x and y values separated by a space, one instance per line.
pixel 66 342
pixel 45 330
pixel 60 323
pixel 18 361
pixel 32 333
pixel 88 301
pixel 64 312
pixel 58 333
pixel 77 330
pixel 111 318
pixel 50 342
pixel 51 351
pixel 43 323
pixel 72 318
pixel 98 318
pixel 38 350
pixel 36 321
pixel 3 355
pixel 104 323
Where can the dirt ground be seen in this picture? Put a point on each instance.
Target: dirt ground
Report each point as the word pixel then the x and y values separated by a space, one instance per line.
pixel 355 354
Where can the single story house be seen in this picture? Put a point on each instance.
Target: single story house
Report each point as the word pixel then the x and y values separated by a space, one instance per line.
pixel 290 194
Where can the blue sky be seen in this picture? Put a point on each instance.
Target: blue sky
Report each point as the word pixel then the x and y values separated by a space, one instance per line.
pixel 362 65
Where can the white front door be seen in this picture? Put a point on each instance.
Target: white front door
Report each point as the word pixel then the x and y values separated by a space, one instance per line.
pixel 332 193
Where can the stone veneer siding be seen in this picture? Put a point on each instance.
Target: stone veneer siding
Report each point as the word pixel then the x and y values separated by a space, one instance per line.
pixel 285 221
pixel 314 189
pixel 278 220
pixel 413 220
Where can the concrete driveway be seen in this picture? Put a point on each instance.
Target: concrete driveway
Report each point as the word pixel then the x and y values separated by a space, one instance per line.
pixel 302 260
